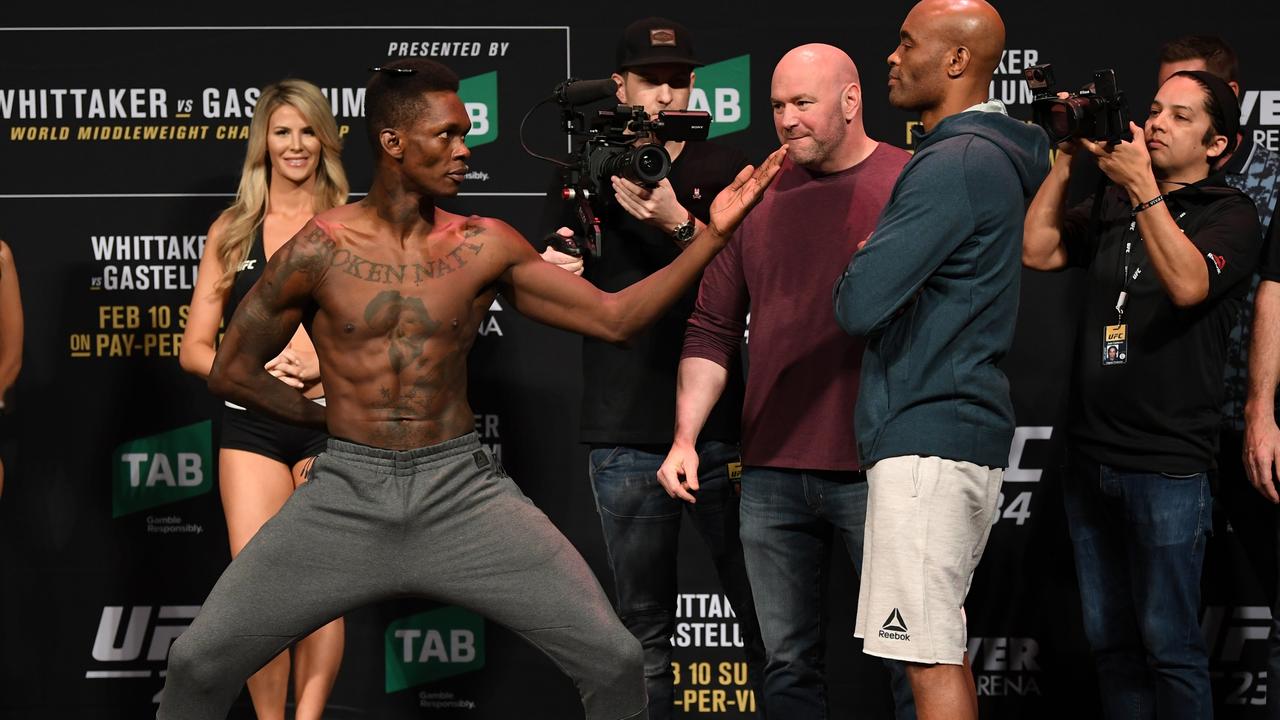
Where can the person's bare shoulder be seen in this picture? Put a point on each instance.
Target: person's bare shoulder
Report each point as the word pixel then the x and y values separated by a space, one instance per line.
pixel 319 236
pixel 308 253
pixel 490 230
pixel 345 224
pixel 349 213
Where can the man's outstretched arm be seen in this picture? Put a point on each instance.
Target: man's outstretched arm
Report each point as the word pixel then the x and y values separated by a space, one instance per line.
pixel 264 323
pixel 542 292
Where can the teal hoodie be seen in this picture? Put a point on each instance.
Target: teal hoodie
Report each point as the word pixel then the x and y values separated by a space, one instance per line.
pixel 935 292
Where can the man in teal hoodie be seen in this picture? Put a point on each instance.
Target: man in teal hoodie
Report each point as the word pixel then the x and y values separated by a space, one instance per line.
pixel 935 292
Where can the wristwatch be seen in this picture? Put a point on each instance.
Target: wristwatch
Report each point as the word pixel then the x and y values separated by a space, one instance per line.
pixel 684 232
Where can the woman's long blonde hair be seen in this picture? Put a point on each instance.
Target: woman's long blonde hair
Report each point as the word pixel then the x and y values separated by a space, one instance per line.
pixel 250 206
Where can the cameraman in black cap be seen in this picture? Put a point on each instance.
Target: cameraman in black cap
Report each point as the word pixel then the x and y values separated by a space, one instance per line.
pixel 629 392
pixel 1169 250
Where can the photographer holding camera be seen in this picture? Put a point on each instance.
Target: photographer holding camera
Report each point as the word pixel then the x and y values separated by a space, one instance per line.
pixel 629 392
pixel 1169 250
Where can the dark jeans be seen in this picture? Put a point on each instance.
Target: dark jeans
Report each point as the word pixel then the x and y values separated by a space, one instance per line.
pixel 641 533
pixel 789 519
pixel 1139 541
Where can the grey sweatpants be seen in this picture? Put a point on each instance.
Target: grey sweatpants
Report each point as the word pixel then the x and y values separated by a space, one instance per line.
pixel 442 522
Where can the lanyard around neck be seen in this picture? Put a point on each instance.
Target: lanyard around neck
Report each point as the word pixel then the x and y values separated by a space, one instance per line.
pixel 1123 298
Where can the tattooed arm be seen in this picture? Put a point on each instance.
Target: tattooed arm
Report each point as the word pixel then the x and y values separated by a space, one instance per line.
pixel 541 291
pixel 263 325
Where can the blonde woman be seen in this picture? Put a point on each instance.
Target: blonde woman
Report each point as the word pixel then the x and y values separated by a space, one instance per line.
pixel 292 170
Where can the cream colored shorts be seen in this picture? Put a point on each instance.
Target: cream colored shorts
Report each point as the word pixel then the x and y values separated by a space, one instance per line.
pixel 927 524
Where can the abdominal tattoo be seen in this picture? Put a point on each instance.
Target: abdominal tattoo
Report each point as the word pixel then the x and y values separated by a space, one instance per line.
pixel 370 271
pixel 407 326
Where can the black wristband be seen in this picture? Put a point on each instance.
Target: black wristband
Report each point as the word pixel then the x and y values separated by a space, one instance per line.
pixel 1148 204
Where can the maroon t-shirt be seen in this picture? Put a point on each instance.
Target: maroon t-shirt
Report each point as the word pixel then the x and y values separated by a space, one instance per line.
pixel 781 265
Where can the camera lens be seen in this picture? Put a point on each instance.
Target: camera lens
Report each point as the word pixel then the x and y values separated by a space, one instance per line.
pixel 1059 122
pixel 651 163
pixel 647 164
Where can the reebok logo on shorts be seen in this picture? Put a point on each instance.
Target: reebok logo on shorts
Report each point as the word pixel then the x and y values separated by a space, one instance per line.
pixel 895 628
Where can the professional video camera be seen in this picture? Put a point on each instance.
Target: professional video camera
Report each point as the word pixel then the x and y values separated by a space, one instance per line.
pixel 610 146
pixel 1097 112
pixel 623 141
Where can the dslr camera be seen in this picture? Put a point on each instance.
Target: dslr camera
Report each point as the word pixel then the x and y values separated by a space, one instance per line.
pixel 1096 112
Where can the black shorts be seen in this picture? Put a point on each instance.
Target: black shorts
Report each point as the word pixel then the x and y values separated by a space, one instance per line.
pixel 251 432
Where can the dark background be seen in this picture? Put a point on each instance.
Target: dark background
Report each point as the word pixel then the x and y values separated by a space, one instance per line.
pixel 66 562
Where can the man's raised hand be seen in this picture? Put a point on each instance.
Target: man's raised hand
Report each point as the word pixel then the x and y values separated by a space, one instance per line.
pixel 732 204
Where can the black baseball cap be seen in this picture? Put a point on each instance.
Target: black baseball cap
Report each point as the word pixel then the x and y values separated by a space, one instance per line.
pixel 656 41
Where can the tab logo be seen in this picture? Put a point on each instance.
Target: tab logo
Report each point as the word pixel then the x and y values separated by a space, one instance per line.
pixel 479 95
pixel 724 90
pixel 433 645
pixel 162 469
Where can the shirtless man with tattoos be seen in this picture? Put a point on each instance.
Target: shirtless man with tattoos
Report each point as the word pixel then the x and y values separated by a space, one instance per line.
pixel 405 501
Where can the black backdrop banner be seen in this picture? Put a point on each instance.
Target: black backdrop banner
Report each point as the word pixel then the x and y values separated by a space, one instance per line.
pixel 121 136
